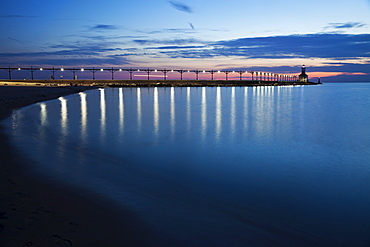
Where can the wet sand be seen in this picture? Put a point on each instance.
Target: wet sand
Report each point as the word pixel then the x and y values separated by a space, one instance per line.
pixel 37 212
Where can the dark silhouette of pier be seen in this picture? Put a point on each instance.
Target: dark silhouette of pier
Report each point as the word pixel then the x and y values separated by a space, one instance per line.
pixel 255 75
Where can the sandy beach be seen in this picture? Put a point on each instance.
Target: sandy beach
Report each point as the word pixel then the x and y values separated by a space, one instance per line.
pixel 37 212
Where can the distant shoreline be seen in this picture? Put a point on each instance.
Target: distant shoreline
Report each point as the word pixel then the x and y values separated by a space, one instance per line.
pixel 153 83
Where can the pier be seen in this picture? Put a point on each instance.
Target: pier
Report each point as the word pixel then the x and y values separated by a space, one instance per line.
pixel 163 74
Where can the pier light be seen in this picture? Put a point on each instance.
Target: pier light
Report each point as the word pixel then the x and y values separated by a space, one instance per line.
pixel 82 69
pixel 171 70
pixel 138 70
pixel 233 72
pixel 101 69
pixel 218 71
pixel 120 70
pixel 19 68
pixel 188 71
pixel 62 69
pixel 155 70
pixel 41 69
pixel 204 71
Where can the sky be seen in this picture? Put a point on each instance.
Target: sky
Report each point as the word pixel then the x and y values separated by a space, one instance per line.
pixel 332 38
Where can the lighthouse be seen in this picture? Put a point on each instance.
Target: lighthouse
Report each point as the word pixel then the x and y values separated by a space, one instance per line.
pixel 303 77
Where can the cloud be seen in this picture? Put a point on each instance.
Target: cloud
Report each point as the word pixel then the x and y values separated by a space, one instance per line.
pixel 167 30
pixel 346 25
pixel 78 53
pixel 65 58
pixel 328 67
pixel 102 27
pixel 17 40
pixel 17 16
pixel 335 46
pixel 175 47
pixel 167 41
pixel 181 6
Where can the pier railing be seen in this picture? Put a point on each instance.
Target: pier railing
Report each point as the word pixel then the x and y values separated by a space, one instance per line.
pixel 255 75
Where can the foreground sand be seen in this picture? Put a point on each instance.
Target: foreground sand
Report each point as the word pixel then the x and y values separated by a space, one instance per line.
pixel 37 212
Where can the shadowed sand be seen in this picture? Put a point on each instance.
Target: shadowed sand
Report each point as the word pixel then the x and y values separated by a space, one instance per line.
pixel 37 212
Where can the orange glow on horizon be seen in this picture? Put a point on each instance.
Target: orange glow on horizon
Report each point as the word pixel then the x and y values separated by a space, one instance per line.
pixel 330 74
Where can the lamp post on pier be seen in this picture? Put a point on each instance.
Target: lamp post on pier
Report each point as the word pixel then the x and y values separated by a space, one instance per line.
pixel 93 72
pixel 165 74
pixel 10 72
pixel 181 71
pixel 212 72
pixel 227 75
pixel 241 74
pixel 53 72
pixel 148 71
pixel 112 71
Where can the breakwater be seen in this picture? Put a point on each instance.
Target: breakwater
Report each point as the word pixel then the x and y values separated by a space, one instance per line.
pixel 155 83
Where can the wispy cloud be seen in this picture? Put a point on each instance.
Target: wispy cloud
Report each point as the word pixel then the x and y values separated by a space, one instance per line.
pixel 181 6
pixel 168 30
pixel 17 16
pixel 336 46
pixel 73 57
pixel 16 40
pixel 103 27
pixel 345 25
pixel 168 41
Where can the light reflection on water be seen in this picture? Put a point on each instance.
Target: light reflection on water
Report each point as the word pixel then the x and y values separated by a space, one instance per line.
pixel 83 117
pixel 234 165
pixel 156 112
pixel 218 113
pixel 138 97
pixel 102 114
pixel 63 115
pixel 43 114
pixel 121 112
pixel 172 110
pixel 204 112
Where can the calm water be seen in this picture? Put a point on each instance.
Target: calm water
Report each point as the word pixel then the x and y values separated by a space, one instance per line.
pixel 268 166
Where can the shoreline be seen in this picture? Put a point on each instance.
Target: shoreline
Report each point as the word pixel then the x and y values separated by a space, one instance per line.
pixel 35 211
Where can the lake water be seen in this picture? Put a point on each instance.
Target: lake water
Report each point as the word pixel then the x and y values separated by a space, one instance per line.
pixel 253 166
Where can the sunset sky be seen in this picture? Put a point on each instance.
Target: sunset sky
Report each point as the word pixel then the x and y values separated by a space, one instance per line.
pixel 332 38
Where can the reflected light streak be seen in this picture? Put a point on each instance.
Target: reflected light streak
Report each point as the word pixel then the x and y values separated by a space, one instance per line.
pixel 83 115
pixel 218 113
pixel 245 110
pixel 188 108
pixel 156 112
pixel 204 112
pixel 172 110
pixel 102 112
pixel 232 111
pixel 121 111
pixel 138 96
pixel 63 115
pixel 43 114
pixel 264 112
pixel 41 128
pixel 64 129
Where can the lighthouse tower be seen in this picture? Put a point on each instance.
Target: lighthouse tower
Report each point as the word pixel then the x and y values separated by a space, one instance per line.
pixel 303 77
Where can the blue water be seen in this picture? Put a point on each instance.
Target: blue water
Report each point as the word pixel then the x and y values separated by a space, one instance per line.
pixel 254 166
